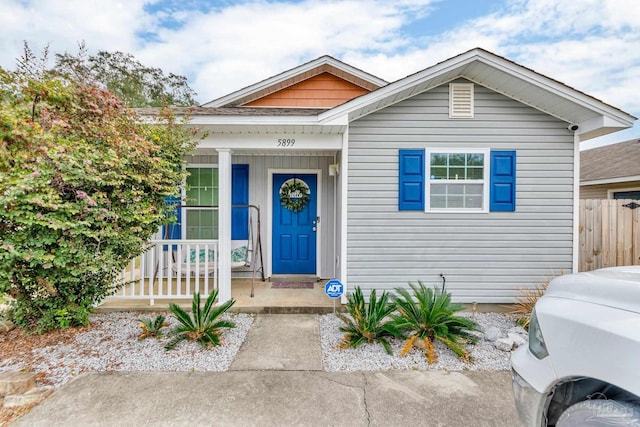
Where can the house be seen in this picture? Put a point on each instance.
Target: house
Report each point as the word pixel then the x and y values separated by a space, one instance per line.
pixel 468 168
pixel 611 171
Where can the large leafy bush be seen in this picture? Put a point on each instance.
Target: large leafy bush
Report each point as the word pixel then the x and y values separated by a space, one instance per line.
pixel 82 188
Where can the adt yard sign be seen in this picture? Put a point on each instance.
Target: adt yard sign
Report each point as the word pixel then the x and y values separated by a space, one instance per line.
pixel 334 288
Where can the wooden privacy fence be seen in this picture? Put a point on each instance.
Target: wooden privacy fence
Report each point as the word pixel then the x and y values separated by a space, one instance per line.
pixel 609 233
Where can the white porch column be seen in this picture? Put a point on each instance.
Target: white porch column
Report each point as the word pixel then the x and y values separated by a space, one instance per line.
pixel 343 212
pixel 224 230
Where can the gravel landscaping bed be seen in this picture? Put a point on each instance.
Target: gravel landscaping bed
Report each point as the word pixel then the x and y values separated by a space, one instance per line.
pixel 372 357
pixel 111 344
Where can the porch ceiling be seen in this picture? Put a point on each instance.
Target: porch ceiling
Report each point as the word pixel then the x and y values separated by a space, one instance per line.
pixel 267 152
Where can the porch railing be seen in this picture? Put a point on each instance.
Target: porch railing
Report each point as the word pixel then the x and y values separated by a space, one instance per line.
pixel 171 269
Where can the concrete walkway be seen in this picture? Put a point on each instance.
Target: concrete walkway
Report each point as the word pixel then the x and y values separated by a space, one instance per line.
pixel 276 380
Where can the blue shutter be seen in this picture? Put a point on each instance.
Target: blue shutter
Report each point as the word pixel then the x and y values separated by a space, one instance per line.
pixel 411 180
pixel 239 196
pixel 502 187
pixel 173 231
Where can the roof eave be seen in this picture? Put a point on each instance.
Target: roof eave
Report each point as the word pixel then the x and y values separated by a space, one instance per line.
pixel 611 118
pixel 309 66
pixel 616 180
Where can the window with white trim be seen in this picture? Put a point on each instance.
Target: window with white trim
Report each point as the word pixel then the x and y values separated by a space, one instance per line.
pixel 201 209
pixel 457 180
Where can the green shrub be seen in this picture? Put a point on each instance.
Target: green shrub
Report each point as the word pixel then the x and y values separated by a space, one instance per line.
pixel 152 327
pixel 367 323
pixel 82 189
pixel 203 326
pixel 429 315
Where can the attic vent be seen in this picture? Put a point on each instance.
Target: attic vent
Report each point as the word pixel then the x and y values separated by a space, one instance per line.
pixel 461 100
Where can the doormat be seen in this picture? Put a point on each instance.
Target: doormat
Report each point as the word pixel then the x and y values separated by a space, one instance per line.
pixel 292 285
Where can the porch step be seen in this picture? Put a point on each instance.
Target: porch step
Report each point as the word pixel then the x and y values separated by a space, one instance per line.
pixel 287 310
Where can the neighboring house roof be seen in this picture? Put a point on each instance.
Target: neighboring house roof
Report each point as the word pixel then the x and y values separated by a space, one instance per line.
pixel 611 163
pixel 592 116
pixel 324 64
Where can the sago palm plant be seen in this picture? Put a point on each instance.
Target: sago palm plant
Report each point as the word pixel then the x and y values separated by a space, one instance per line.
pixel 203 326
pixel 429 315
pixel 152 327
pixel 367 323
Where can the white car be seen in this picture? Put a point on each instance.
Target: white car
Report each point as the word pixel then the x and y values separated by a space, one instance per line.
pixel 582 364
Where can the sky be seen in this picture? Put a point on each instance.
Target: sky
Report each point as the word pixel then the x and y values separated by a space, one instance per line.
pixel 223 46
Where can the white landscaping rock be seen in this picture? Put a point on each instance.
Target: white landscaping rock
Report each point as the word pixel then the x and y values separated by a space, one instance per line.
pixel 113 345
pixel 517 339
pixel 372 357
pixel 492 333
pixel 504 344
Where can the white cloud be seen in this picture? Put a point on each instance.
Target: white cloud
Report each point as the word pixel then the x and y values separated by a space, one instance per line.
pixel 587 44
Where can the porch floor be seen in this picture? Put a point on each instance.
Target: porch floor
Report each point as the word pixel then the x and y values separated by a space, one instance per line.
pixel 265 300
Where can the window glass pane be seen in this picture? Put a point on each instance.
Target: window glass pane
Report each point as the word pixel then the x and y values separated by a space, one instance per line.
pixel 202 224
pixel 206 197
pixel 457 159
pixel 438 202
pixel 438 173
pixel 475 189
pixel 473 202
pixel 193 177
pixel 455 189
pixel 438 159
pixel 438 189
pixel 455 202
pixel 475 159
pixel 475 173
pixel 456 173
pixel 206 177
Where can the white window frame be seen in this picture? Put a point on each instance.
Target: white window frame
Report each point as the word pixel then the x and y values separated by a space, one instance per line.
pixel 611 192
pixel 185 207
pixel 485 181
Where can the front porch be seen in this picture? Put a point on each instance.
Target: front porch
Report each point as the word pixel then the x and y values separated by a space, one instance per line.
pixel 266 299
pixel 174 270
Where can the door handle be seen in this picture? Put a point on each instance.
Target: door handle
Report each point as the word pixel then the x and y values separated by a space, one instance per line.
pixel 314 229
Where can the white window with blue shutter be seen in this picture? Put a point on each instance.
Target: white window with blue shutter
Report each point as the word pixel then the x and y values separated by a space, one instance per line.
pixel 462 180
pixel 198 218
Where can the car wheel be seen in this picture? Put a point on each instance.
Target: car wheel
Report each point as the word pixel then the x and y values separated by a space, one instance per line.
pixel 596 413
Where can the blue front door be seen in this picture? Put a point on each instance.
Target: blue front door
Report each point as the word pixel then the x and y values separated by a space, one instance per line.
pixel 294 233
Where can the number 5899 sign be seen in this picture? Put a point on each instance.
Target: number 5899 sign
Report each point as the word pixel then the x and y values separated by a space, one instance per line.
pixel 286 142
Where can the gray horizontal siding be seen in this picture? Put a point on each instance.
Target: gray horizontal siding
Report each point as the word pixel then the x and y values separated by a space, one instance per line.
pixel 486 257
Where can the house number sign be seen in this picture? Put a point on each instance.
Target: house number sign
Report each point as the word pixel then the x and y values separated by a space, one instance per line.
pixel 286 142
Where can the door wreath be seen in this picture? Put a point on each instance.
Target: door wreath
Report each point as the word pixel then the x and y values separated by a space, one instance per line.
pixel 294 195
